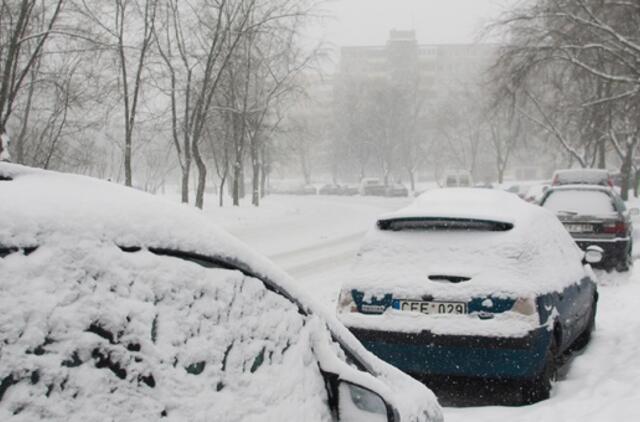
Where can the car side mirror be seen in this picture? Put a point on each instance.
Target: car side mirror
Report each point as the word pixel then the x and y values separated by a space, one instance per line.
pixel 357 403
pixel 634 212
pixel 594 254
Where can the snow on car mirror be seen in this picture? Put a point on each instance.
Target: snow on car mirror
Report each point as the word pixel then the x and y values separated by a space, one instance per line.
pixel 594 254
pixel 634 212
pixel 357 403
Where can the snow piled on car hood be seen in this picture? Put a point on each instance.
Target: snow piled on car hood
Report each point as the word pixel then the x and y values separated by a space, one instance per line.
pixel 536 256
pixel 52 210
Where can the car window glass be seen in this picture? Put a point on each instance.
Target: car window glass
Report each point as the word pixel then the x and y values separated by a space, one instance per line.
pixel 580 202
pixel 183 340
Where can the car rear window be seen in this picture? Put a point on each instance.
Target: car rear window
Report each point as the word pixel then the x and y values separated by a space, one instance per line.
pixel 580 202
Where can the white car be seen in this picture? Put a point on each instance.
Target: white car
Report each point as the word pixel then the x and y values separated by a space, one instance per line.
pixel 119 305
pixel 457 179
pixel 472 283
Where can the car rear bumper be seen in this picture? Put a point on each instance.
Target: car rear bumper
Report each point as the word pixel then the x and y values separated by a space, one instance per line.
pixel 614 249
pixel 424 354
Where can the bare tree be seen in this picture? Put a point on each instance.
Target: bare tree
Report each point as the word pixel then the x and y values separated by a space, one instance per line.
pixel 25 27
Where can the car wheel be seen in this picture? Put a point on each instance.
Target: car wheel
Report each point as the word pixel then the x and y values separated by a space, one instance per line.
pixel 585 337
pixel 539 388
pixel 624 263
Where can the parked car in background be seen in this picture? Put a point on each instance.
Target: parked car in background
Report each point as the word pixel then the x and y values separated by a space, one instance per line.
pixel 396 189
pixel 330 189
pixel 536 192
pixel 119 305
pixel 457 179
pixel 484 185
pixel 472 283
pixel 519 189
pixel 372 186
pixel 582 177
pixel 349 190
pixel 595 216
pixel 344 190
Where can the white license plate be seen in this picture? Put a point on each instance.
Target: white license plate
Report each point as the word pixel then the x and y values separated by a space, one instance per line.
pixel 579 228
pixel 430 307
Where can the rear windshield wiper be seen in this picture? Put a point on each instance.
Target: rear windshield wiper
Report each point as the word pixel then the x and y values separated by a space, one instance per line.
pixel 565 212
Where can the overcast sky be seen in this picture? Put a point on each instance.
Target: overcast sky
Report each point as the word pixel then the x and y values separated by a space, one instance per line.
pixel 367 22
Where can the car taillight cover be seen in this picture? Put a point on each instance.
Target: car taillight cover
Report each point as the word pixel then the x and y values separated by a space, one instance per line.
pixel 618 227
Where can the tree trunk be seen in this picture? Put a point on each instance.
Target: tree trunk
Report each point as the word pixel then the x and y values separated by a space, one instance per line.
pixel 255 174
pixel 602 154
pixel 221 191
pixel 185 185
pixel 263 180
pixel 626 170
pixel 500 175
pixel 237 167
pixel 412 180
pixel 128 178
pixel 202 176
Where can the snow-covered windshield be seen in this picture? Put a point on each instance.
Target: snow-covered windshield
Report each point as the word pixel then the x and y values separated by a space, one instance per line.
pixel 89 330
pixel 580 202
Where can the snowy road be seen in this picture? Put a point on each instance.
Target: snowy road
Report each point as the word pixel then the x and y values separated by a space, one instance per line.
pixel 315 239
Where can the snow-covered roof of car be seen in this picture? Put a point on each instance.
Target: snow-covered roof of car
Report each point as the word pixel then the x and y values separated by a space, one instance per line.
pixel 465 203
pixel 37 205
pixel 581 176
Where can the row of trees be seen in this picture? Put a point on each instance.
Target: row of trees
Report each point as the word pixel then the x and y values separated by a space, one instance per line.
pixel 133 89
pixel 572 69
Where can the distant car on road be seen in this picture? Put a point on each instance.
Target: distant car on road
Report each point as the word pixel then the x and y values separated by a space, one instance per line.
pixel 330 189
pixel 343 190
pixel 396 189
pixel 472 283
pixel 595 216
pixel 582 177
pixel 457 179
pixel 120 305
pixel 372 186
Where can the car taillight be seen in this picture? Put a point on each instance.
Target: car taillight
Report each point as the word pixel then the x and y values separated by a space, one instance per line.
pixel 346 303
pixel 524 306
pixel 555 181
pixel 614 228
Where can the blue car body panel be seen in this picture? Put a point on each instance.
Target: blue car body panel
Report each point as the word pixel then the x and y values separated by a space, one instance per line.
pixel 564 314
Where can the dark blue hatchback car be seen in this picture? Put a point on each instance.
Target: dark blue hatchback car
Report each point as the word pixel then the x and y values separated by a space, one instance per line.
pixel 472 283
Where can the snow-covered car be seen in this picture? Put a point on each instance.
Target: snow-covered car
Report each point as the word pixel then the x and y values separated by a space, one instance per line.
pixel 536 192
pixel 472 283
pixel 519 189
pixel 582 176
pixel 595 216
pixel 120 305
pixel 372 186
pixel 457 179
pixel 396 189
pixel 330 189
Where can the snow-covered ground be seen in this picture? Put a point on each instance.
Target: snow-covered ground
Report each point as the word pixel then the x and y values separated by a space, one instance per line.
pixel 314 239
